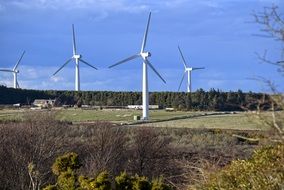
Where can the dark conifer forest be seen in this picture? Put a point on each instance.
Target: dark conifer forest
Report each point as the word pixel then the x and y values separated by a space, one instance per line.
pixel 212 100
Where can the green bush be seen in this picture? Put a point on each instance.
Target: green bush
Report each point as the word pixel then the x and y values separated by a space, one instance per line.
pixel 87 183
pixel 141 183
pixel 123 182
pixel 67 181
pixel 102 181
pixel 68 161
pixel 264 171
pixel 50 187
pixel 65 169
pixel 158 184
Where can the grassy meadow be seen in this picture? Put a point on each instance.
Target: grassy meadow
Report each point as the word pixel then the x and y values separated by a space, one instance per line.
pixel 238 121
pixel 159 118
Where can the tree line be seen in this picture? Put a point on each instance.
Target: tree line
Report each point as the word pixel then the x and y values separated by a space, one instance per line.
pixel 213 99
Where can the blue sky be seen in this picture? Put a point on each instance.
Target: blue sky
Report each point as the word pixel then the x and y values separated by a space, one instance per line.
pixel 216 34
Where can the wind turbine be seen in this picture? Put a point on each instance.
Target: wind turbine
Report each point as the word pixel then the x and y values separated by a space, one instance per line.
pixel 187 70
pixel 15 71
pixel 144 55
pixel 77 58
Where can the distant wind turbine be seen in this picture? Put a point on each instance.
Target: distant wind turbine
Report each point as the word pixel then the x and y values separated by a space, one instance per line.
pixel 144 55
pixel 77 58
pixel 187 70
pixel 15 71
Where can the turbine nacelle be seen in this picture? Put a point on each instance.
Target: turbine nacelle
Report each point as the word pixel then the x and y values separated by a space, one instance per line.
pixel 145 54
pixel 188 71
pixel 14 71
pixel 146 63
pixel 77 56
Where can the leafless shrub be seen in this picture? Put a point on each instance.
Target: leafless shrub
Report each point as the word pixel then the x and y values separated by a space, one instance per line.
pixel 106 149
pixel 274 119
pixel 195 172
pixel 37 141
pixel 272 23
pixel 150 153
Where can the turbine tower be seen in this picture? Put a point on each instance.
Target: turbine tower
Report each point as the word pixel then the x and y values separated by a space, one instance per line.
pixel 187 70
pixel 77 58
pixel 15 71
pixel 144 55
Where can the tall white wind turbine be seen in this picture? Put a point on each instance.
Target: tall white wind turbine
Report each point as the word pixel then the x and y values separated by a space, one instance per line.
pixel 15 71
pixel 77 58
pixel 144 55
pixel 187 70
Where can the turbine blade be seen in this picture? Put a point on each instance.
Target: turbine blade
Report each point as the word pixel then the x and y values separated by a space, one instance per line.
pixel 74 41
pixel 183 60
pixel 6 70
pixel 152 67
pixel 146 34
pixel 63 66
pixel 19 61
pixel 197 68
pixel 18 86
pixel 125 60
pixel 181 81
pixel 87 64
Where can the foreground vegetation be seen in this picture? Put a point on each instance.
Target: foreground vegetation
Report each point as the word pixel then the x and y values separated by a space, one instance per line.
pixel 31 146
pixel 67 179
pixel 265 170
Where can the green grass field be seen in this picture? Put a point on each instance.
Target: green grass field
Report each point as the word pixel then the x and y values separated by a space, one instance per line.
pixel 239 121
pixel 124 116
pixel 8 115
pixel 159 118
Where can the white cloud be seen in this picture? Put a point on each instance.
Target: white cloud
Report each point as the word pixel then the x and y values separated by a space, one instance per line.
pixel 119 79
pixel 131 6
pixel 2 7
pixel 30 73
pixel 6 82
pixel 99 5
pixel 6 79
pixel 216 83
pixel 212 4
pixel 56 79
pixel 174 3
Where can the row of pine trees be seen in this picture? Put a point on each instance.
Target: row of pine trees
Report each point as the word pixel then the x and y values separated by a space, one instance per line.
pixel 212 100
